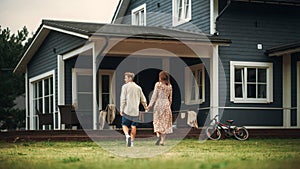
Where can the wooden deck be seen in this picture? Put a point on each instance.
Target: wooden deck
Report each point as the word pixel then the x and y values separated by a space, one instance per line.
pixel 88 135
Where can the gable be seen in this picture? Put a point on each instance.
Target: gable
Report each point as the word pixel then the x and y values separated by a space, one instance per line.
pixel 38 39
pixel 45 58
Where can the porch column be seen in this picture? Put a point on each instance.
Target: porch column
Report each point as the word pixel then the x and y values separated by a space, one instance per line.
pixel 99 46
pixel 95 109
pixel 166 64
pixel 30 122
pixel 298 94
pixel 61 85
pixel 214 80
pixel 286 90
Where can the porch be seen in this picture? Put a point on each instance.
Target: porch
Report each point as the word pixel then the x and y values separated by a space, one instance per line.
pixel 89 135
pixel 95 70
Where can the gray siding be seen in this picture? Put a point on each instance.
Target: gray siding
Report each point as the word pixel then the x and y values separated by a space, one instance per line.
pixel 248 24
pixel 45 58
pixel 159 13
pixel 154 10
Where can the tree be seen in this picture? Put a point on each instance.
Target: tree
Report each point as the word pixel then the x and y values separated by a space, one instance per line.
pixel 11 85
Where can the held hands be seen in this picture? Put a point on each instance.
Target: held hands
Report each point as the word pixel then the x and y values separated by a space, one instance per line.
pixel 122 113
pixel 148 108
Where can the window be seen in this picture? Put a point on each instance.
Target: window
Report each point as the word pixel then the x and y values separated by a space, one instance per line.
pixel 42 97
pixel 251 82
pixel 82 92
pixel 182 11
pixel 194 84
pixel 139 15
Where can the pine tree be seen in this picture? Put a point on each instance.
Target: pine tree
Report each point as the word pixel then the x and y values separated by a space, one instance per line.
pixel 11 85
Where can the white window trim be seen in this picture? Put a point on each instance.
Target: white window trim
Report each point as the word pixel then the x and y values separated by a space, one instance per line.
pixel 269 94
pixel 134 12
pixel 76 71
pixel 31 81
pixel 175 14
pixel 111 89
pixel 188 83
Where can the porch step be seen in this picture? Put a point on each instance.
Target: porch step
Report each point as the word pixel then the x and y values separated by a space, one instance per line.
pixel 88 135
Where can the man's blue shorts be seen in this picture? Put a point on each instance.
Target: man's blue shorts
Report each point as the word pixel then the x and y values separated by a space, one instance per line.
pixel 129 120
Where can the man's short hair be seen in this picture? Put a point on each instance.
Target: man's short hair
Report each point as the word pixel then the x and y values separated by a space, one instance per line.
pixel 129 74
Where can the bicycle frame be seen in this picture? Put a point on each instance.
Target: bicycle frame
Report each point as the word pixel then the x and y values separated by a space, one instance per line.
pixel 227 129
pixel 217 129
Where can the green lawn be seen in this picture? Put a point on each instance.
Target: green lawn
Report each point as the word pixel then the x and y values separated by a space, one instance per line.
pixel 189 154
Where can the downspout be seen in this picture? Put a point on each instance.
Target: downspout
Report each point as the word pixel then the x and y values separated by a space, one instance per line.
pixel 220 14
pixel 96 64
pixel 102 50
pixel 223 10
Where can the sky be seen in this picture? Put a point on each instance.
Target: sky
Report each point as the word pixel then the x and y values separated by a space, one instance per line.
pixel 15 14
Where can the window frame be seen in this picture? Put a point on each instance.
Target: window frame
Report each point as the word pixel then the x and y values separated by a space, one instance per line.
pixel 32 98
pixel 245 65
pixel 188 84
pixel 137 11
pixel 79 72
pixel 178 20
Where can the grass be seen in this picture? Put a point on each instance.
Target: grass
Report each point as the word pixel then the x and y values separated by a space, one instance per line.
pixel 189 154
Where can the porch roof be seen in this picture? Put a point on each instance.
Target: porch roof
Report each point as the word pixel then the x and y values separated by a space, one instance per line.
pixel 284 49
pixel 133 31
pixel 279 2
pixel 90 30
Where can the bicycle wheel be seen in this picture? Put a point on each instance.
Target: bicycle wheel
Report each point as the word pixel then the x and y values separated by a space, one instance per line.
pixel 213 133
pixel 241 133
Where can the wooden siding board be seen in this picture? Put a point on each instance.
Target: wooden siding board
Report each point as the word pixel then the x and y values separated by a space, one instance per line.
pixel 201 14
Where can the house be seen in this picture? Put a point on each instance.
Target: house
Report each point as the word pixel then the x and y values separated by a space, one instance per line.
pixel 236 58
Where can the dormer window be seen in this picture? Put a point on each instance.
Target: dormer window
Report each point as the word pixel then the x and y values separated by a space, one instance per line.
pixel 182 11
pixel 139 15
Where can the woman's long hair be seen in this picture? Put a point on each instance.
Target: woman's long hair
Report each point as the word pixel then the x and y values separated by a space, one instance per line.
pixel 164 77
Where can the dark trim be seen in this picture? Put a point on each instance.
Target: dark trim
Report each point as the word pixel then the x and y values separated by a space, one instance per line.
pixel 275 2
pixel 120 10
pixel 282 48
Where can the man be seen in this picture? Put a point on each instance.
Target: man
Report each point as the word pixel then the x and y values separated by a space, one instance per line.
pixel 131 97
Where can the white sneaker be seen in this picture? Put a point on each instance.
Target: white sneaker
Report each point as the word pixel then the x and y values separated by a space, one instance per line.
pixel 131 144
pixel 128 141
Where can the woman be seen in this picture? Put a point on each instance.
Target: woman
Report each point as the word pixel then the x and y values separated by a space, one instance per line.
pixel 162 115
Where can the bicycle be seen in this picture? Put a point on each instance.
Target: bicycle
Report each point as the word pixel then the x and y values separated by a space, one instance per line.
pixel 217 129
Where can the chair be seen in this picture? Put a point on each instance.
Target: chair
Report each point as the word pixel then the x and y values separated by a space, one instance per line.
pixel 45 119
pixel 68 116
